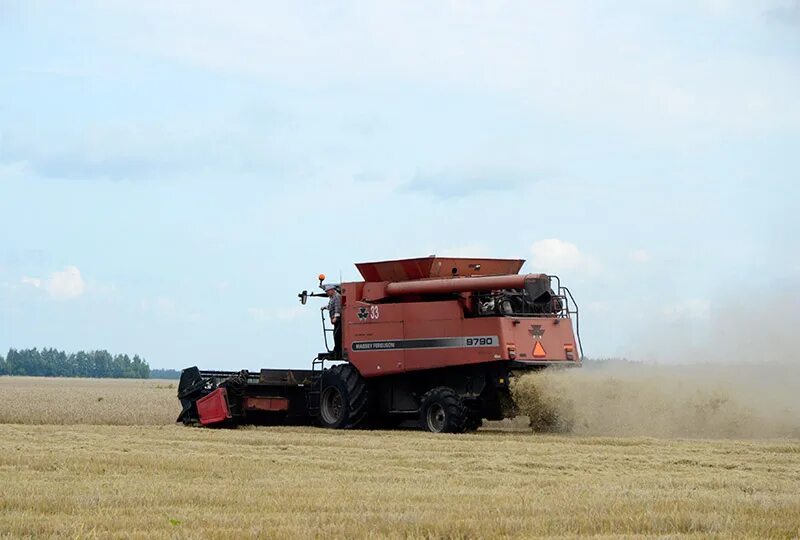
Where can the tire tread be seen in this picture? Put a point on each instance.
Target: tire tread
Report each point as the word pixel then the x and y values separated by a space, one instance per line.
pixel 455 410
pixel 356 389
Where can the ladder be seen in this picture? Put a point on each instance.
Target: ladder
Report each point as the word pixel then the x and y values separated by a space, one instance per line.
pixel 313 394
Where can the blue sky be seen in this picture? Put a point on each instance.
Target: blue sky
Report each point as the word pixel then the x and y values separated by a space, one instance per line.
pixel 171 175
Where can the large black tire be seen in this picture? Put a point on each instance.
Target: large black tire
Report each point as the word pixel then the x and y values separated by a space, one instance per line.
pixel 343 398
pixel 443 411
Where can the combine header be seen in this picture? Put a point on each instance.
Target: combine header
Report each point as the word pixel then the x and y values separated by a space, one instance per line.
pixel 436 339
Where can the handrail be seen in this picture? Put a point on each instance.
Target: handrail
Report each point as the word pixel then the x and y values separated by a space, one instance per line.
pixel 325 330
pixel 577 322
pixel 566 294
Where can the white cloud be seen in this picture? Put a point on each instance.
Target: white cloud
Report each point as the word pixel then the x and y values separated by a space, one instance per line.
pixel 66 284
pixel 60 285
pixel 552 255
pixel 639 256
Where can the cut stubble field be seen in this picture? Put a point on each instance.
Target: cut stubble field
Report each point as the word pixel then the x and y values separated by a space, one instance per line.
pixel 86 473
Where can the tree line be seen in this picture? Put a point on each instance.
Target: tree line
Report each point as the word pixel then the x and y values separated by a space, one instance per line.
pixel 165 373
pixel 54 363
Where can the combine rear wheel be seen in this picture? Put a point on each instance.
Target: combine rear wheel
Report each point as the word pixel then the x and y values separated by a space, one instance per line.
pixel 443 411
pixel 343 398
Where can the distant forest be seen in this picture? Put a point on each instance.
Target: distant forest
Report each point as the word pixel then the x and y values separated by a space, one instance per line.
pixel 165 374
pixel 54 363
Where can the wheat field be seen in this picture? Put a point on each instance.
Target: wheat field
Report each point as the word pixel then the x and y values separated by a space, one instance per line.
pixel 86 468
pixel 43 400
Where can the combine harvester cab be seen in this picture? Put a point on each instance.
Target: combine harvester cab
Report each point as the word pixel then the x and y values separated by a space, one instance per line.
pixel 432 339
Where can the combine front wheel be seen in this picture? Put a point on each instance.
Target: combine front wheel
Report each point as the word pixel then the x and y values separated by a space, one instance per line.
pixel 343 399
pixel 443 411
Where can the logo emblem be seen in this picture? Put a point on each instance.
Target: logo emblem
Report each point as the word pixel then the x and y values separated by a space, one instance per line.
pixel 362 313
pixel 536 331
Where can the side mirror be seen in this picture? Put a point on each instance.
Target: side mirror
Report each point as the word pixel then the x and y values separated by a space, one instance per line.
pixel 303 297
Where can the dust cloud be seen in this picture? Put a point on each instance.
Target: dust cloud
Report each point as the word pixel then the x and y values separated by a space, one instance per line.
pixel 739 377
pixel 698 401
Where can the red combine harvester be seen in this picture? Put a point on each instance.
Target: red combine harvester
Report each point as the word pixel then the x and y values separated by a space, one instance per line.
pixel 436 339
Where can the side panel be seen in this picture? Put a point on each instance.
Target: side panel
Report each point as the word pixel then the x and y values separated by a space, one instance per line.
pixel 381 339
pixel 270 404
pixel 391 338
pixel 370 338
pixel 440 336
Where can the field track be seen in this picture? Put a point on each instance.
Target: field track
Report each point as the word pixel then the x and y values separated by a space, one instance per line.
pixel 151 481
